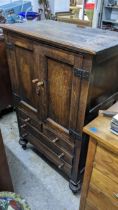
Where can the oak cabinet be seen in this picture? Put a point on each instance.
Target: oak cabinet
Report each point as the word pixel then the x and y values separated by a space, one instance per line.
pixel 55 88
pixel 100 186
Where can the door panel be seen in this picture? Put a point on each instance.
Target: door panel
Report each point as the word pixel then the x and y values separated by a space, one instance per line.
pixel 21 63
pixel 59 87
pixel 24 61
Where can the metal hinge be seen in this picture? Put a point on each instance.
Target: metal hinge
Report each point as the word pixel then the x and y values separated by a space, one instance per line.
pixel 10 45
pixel 75 135
pixel 83 74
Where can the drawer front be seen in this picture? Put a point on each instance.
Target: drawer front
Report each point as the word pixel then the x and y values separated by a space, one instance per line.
pixel 44 146
pixel 32 130
pixel 102 191
pixel 107 163
pixel 28 118
pixel 65 145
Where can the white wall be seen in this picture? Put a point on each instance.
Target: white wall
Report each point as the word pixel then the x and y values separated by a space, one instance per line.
pixel 59 5
pixel 35 5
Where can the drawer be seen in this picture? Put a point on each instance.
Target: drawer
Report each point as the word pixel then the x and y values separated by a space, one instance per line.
pixel 28 118
pixel 107 163
pixel 102 191
pixel 47 148
pixel 62 154
pixel 62 143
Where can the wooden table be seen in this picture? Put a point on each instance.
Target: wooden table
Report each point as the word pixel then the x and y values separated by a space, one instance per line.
pixel 100 186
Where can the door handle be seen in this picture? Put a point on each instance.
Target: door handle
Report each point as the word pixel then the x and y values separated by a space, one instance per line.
pixel 39 84
pixel 34 81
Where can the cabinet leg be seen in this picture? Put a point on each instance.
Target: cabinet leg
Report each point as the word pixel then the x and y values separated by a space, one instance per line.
pixel 75 187
pixel 23 142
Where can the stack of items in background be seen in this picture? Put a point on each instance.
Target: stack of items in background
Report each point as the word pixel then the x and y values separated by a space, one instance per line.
pixel 114 124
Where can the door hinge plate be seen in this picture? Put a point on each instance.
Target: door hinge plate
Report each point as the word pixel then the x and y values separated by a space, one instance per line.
pixel 10 45
pixel 75 135
pixel 83 74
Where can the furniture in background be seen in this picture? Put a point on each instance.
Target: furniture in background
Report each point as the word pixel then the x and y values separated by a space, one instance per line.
pixel 110 15
pixel 71 18
pixel 61 75
pixel 5 178
pixel 5 84
pixel 100 185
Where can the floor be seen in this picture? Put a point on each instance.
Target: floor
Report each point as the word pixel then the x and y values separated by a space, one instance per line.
pixel 33 178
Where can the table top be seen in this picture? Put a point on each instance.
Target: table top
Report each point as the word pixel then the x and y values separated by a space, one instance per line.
pixel 93 41
pixel 99 129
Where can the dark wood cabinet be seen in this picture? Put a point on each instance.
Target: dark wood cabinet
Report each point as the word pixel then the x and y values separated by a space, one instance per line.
pixel 59 82
pixel 5 84
pixel 5 178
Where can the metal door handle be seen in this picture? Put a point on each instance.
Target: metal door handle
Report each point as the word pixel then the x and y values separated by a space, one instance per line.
pixel 39 84
pixel 34 81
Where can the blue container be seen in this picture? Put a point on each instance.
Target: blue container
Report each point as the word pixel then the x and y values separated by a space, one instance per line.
pixel 29 15
pixel 16 7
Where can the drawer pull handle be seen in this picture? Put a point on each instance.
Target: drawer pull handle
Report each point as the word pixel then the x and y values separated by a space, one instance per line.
pixel 61 155
pixel 61 165
pixel 34 81
pixel 23 126
pixel 24 135
pixel 55 140
pixel 116 195
pixel 27 119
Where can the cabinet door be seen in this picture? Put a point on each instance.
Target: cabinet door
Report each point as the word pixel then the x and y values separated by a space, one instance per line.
pixel 60 92
pixel 21 62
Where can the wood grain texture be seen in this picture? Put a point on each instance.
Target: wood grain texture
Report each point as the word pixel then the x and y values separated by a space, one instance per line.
pixel 88 172
pixel 107 163
pixel 53 70
pixel 103 134
pixel 5 84
pixel 84 39
pixel 105 188
pixel 101 190
pixel 5 178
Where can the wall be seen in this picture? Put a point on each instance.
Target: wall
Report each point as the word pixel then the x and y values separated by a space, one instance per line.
pixel 35 5
pixel 59 5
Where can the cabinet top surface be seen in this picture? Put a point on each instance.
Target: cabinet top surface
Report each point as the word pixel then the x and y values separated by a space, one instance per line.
pixel 68 35
pixel 99 129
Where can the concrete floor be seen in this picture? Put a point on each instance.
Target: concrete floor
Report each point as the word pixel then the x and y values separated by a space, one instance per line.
pixel 33 178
